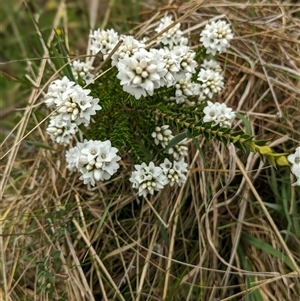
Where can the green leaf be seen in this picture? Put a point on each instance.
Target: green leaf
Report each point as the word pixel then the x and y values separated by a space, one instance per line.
pixel 199 148
pixel 60 57
pixel 103 218
pixel 39 144
pixel 40 276
pixel 163 232
pixel 176 140
pixel 261 245
pixel 254 294
pixel 241 146
pixel 264 150
pixel 245 122
pixel 224 140
pixel 56 254
pixel 51 280
pixel 262 142
pixel 65 295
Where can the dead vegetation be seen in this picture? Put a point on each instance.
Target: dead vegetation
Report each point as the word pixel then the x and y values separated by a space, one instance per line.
pixel 232 232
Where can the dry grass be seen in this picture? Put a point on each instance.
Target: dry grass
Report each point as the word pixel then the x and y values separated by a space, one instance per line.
pixel 232 232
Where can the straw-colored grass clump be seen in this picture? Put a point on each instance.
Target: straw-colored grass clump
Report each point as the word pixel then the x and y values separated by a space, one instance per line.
pixel 232 232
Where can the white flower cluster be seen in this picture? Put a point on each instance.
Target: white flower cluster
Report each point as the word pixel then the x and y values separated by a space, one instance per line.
pixel 141 73
pixel 211 82
pixel 216 37
pixel 179 150
pixel 172 36
pixel 73 107
pixel 150 178
pixel 61 131
pixel 218 113
pixel 162 135
pixel 95 160
pixel 171 66
pixel 187 60
pixel 128 48
pixel 185 88
pixel 174 171
pixel 82 70
pixel 103 41
pixel 294 159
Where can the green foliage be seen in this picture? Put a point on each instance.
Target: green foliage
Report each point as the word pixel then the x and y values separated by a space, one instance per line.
pixel 47 269
pixel 252 294
pixel 268 249
pixel 59 221
pixel 128 123
pixel 50 267
pixel 60 55
pixel 121 121
pixel 239 138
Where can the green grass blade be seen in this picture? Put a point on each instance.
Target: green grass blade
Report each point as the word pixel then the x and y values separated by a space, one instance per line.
pixel 60 55
pixel 261 245
pixel 253 295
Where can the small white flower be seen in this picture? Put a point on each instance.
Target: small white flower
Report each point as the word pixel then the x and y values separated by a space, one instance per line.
pixel 184 88
pixel 294 159
pixel 129 46
pixel 212 65
pixel 211 82
pixel 216 37
pixel 75 105
pixel 82 70
pixel 73 156
pixel 211 112
pixel 61 131
pixel 162 135
pixel 90 152
pixel 201 97
pixel 55 90
pixel 226 115
pixel 175 171
pixel 110 167
pixel 103 41
pixel 218 114
pixel 187 63
pixel 157 248
pixel 141 73
pixel 148 178
pixel 179 150
pixel 171 37
pixel 96 160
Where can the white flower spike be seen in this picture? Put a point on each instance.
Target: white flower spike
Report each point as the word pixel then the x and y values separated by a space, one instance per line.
pixel 162 135
pixel 61 131
pixel 148 178
pixel 216 37
pixel 218 113
pixel 141 73
pixel 96 160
